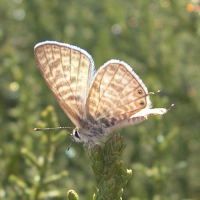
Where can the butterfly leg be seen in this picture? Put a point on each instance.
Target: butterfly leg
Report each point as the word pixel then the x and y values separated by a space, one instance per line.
pixel 88 146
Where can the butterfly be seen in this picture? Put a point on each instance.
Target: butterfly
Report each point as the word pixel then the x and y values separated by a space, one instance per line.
pixel 97 103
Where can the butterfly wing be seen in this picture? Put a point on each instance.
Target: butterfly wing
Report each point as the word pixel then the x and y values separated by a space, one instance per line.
pixel 118 97
pixel 67 71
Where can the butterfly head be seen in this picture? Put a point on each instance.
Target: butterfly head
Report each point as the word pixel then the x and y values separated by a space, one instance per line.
pixel 75 136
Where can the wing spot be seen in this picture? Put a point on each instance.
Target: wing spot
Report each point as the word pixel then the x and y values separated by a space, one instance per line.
pixel 122 68
pixel 105 110
pixel 104 121
pixel 140 92
pixel 71 97
pixel 113 119
pixel 73 79
pixel 78 98
pixel 142 103
pixel 112 68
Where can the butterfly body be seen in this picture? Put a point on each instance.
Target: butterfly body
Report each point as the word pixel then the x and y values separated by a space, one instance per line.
pixel 97 104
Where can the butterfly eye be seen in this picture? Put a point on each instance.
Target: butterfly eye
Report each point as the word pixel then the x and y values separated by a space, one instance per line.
pixel 77 134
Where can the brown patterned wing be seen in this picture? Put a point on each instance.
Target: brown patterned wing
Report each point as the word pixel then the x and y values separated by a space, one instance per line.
pixel 67 71
pixel 117 96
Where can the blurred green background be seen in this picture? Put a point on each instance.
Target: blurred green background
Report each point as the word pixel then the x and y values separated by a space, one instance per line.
pixel 159 39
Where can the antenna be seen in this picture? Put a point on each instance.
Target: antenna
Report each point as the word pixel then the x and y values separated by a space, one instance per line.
pixel 46 129
pixel 69 145
pixel 170 107
pixel 154 92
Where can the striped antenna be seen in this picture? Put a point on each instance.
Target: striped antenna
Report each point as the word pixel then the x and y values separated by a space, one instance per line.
pixel 45 129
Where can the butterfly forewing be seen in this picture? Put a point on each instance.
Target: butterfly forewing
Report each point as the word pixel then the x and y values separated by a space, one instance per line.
pixel 67 71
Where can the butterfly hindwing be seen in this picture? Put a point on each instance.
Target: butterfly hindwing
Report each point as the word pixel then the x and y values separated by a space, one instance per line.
pixel 116 94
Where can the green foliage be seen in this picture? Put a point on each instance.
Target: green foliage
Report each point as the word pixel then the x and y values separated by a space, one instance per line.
pixel 42 177
pixel 111 174
pixel 72 195
pixel 159 40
